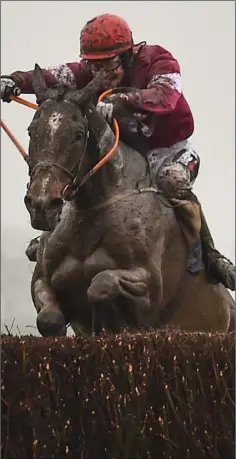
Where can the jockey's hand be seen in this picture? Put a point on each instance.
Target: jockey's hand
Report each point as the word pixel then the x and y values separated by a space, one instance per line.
pixel 115 106
pixel 8 88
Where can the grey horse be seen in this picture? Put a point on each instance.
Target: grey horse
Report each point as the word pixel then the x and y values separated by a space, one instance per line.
pixel 114 255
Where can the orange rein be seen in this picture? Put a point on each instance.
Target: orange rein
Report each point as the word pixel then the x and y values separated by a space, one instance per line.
pixel 111 152
pixel 24 102
pixel 14 140
pixel 97 166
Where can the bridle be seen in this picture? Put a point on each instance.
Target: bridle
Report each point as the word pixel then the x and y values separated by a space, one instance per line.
pixel 70 190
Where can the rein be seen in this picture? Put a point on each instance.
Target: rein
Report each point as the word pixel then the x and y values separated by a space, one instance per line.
pixel 15 141
pixel 44 164
pixel 91 172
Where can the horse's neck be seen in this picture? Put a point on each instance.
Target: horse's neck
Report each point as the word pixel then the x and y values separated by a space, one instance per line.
pixel 108 178
pixel 111 174
pixel 122 171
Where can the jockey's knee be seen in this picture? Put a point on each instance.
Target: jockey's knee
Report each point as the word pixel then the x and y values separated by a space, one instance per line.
pixel 176 176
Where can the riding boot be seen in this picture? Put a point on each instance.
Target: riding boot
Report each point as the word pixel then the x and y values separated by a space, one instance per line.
pixel 219 268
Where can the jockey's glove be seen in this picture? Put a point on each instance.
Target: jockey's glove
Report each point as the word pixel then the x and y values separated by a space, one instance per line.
pixel 8 88
pixel 119 105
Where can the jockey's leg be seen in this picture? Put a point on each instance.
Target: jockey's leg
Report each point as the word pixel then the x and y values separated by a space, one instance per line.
pixel 175 177
pixel 219 267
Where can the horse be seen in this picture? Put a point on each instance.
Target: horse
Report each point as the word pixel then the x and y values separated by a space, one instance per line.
pixel 112 254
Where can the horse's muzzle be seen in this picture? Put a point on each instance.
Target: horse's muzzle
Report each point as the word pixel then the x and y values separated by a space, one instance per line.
pixel 44 212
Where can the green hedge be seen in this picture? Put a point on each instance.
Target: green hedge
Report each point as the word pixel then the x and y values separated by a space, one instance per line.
pixel 146 395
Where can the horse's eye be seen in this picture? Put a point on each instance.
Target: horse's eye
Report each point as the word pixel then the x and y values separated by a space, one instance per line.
pixel 29 133
pixel 79 135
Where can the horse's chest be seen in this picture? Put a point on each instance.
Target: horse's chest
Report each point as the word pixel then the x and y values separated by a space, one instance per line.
pixel 65 255
pixel 79 250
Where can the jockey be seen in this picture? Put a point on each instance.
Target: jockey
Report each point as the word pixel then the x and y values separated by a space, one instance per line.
pixel 162 121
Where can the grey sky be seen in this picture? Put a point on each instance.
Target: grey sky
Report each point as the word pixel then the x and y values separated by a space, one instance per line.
pixel 200 34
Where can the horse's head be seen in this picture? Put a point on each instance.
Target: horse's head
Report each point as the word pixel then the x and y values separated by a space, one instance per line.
pixel 58 139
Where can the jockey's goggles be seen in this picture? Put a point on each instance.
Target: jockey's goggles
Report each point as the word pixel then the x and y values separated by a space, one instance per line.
pixel 109 65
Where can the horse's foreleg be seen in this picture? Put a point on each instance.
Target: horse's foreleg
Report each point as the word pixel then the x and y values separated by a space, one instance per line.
pixel 50 319
pixel 130 286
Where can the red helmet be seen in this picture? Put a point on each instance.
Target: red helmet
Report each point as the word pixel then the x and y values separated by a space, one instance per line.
pixel 105 36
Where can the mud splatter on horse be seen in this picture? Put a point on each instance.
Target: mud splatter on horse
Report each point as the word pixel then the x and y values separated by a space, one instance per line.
pixel 114 255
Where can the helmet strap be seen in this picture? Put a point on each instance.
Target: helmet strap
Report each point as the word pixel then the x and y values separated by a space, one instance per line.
pixel 129 57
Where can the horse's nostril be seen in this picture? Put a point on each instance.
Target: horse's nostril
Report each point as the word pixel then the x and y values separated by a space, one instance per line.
pixel 33 203
pixel 39 204
pixel 28 201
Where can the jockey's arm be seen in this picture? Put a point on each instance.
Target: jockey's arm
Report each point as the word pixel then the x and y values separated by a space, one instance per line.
pixel 153 105
pixel 163 90
pixel 69 74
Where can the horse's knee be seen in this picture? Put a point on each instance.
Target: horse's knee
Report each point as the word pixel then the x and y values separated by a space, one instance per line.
pixel 51 322
pixel 31 251
pixel 104 286
pixel 50 319
pixel 130 284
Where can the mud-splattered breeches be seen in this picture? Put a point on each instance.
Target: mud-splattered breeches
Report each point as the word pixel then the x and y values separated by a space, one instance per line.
pixel 175 168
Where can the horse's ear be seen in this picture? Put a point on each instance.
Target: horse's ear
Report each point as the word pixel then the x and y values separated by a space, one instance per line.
pixel 38 82
pixel 83 96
